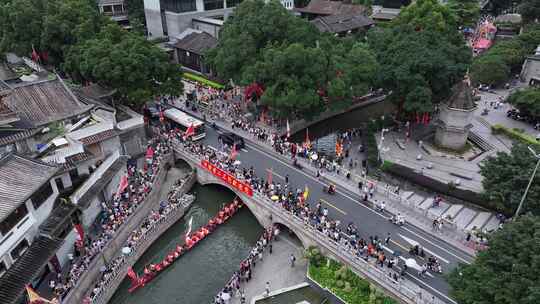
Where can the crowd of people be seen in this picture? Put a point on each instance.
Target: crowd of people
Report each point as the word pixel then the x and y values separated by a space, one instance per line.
pixel 114 214
pixel 293 200
pixel 175 199
pixel 245 273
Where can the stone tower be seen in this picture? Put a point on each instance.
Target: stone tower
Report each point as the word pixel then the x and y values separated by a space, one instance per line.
pixel 455 117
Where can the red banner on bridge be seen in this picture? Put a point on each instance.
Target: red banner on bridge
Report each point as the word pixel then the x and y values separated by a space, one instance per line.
pixel 227 177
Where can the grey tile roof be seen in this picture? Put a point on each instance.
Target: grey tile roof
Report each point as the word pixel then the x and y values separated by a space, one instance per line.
pixel 20 177
pixel 197 43
pixel 326 7
pixel 45 102
pixel 461 97
pixel 342 22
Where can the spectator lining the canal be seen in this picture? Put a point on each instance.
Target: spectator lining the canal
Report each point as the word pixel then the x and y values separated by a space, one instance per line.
pixel 115 213
pixel 294 203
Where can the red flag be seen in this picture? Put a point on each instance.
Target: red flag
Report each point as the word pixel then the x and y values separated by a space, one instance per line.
pixel 80 231
pixel 45 56
pixel 149 152
pixel 417 118
pixel 233 152
pixel 123 184
pixel 307 142
pixel 161 116
pixel 35 55
pixel 133 276
pixel 189 132
pixel 427 118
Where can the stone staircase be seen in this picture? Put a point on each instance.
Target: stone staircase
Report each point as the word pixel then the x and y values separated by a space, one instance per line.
pixel 480 141
pixel 463 218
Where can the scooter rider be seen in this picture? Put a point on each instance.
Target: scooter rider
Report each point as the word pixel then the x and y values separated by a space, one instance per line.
pixel 331 189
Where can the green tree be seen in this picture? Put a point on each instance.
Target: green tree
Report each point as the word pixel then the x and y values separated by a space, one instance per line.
pixel 255 25
pixel 21 24
pixel 127 62
pixel 466 11
pixel 429 15
pixel 507 272
pixel 66 23
pixel 511 51
pixel 488 69
pixel 529 10
pixel 505 178
pixel 527 101
pixel 419 67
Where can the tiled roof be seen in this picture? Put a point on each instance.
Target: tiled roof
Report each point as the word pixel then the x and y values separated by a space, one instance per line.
pixel 461 97
pixel 45 102
pixel 326 7
pixel 92 139
pixel 72 161
pixel 342 23
pixel 9 137
pixel 197 43
pixel 20 177
pixel 27 268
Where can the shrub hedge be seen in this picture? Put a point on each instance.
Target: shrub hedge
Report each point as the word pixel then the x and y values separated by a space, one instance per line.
pixel 516 134
pixel 342 281
pixel 203 80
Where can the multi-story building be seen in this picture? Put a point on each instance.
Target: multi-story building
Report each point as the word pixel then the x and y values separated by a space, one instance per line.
pixel 56 141
pixel 116 9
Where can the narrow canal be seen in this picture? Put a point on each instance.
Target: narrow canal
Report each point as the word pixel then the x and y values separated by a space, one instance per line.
pixel 199 274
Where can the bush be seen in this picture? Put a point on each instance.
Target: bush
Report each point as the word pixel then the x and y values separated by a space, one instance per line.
pixel 345 284
pixel 516 134
pixel 203 80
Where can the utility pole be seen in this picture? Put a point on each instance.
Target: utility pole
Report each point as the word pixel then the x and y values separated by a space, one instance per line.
pixel 528 185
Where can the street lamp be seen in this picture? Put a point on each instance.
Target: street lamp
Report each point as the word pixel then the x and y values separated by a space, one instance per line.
pixel 530 182
pixel 381 142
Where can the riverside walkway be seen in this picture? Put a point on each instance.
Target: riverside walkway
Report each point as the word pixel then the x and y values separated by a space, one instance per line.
pixel 268 212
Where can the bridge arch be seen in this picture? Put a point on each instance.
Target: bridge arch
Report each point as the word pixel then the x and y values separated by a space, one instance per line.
pixel 263 215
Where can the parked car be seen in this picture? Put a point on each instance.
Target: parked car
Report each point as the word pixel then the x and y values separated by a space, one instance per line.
pixel 229 139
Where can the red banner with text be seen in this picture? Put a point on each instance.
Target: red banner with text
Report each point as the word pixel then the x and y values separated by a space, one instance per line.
pixel 227 177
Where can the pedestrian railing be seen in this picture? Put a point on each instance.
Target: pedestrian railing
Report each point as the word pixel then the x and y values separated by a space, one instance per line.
pixel 406 291
pixel 109 285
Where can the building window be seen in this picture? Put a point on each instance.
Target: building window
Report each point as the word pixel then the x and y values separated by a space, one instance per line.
pixel 41 195
pixel 19 250
pixel 213 4
pixel 107 9
pixel 13 219
pixel 178 6
pixel 233 3
pixel 3 268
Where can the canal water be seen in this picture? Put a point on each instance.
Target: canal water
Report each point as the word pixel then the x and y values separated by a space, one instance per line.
pixel 349 120
pixel 200 274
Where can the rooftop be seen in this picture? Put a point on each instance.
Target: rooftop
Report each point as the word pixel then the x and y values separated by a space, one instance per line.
pixel 44 102
pixel 20 177
pixel 461 97
pixel 342 22
pixel 325 7
pixel 196 42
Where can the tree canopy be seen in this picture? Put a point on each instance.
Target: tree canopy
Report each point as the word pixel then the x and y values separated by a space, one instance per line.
pixel 255 25
pixel 304 72
pixel 48 26
pixel 529 10
pixel 429 15
pixel 466 11
pixel 527 101
pixel 507 272
pixel 127 62
pixel 420 67
pixel 505 178
pixel 490 70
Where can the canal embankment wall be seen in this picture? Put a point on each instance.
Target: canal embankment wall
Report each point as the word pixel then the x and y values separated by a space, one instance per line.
pixel 113 282
pixel 114 246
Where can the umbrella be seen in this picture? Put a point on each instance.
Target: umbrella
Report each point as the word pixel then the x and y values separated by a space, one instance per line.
pixel 274 197
pixel 102 268
pixel 237 163
pixel 126 250
pixel 314 156
pixel 411 263
pixel 225 296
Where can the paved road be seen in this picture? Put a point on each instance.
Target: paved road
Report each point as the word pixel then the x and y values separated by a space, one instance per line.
pixel 347 207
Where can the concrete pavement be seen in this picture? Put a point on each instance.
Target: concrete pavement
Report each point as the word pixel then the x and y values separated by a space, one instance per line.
pixel 275 268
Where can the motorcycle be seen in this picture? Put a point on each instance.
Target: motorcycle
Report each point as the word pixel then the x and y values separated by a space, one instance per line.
pixel 329 190
pixel 397 220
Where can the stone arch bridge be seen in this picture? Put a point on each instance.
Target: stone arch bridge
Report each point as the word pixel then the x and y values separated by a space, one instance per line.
pixel 267 213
